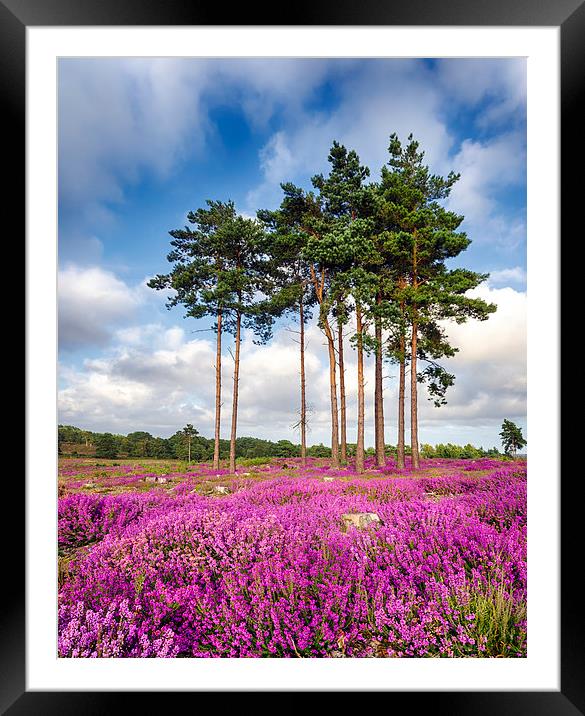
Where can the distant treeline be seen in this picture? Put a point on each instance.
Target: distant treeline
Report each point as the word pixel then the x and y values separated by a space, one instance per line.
pixel 74 441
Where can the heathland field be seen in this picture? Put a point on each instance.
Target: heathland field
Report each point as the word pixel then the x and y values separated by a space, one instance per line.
pixel 166 559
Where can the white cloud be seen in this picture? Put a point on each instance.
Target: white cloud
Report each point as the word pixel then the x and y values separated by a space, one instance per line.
pixel 158 380
pixel 516 275
pixel 121 120
pixel 499 83
pixel 375 100
pixel 501 338
pixel 490 366
pixel 121 117
pixel 264 87
pixel 487 169
pixel 92 301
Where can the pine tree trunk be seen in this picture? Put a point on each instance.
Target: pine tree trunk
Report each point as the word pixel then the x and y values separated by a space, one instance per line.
pixel 414 398
pixel 333 392
pixel 379 393
pixel 217 394
pixel 343 416
pixel 303 423
pixel 235 397
pixel 401 394
pixel 413 367
pixel 326 328
pixel 359 453
pixel 189 451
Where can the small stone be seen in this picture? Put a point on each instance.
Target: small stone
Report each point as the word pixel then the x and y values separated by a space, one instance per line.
pixel 361 519
pixel 329 479
pixel 222 490
pixel 89 484
pixel 150 478
pixel 161 479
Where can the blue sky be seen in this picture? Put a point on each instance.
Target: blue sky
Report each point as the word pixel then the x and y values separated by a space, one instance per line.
pixel 143 141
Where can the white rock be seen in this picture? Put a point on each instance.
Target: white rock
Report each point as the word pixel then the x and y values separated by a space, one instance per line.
pixel 221 489
pixel 361 519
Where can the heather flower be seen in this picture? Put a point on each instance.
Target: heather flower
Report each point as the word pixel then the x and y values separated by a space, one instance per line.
pixel 270 569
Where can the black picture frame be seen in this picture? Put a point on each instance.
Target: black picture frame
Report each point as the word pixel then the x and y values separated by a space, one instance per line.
pixel 569 15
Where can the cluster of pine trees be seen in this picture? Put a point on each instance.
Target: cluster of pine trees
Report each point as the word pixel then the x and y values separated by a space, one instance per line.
pixel 187 444
pixel 367 254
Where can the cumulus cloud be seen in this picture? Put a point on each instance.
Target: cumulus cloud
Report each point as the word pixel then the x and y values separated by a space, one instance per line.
pixel 516 275
pixel 488 168
pixel 375 99
pixel 158 380
pixel 123 118
pixel 92 301
pixel 499 84
pixel 490 366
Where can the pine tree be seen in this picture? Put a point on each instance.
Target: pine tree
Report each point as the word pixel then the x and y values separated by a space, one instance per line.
pixel 344 244
pixel 248 281
pixel 189 433
pixel 422 236
pixel 307 212
pixel 219 271
pixel 198 281
pixel 350 205
pixel 292 289
pixel 512 439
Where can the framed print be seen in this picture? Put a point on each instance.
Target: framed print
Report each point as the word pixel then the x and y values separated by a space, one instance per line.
pixel 104 95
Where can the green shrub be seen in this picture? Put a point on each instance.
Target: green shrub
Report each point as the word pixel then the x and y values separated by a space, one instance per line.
pixel 250 461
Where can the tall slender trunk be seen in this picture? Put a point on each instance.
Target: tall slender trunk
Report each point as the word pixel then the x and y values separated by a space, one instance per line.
pixel 414 397
pixel 333 394
pixel 359 452
pixel 343 413
pixel 401 394
pixel 235 397
pixel 303 423
pixel 413 375
pixel 326 328
pixel 217 393
pixel 189 450
pixel 378 392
